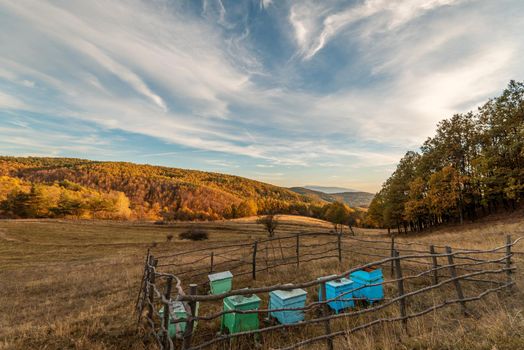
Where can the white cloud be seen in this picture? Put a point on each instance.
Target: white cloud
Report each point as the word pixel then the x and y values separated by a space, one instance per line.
pixel 10 102
pixel 316 24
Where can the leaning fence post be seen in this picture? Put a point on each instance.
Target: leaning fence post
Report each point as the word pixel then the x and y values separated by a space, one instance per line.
pixel 509 243
pixel 435 263
pixel 298 251
pixel 191 322
pixel 392 255
pixel 339 246
pixel 151 288
pixel 453 272
pixel 254 272
pixel 325 313
pixel 212 258
pixel 400 286
pixel 167 313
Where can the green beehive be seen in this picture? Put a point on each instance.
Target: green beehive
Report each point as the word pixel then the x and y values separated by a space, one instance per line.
pixel 220 282
pixel 240 322
pixel 179 311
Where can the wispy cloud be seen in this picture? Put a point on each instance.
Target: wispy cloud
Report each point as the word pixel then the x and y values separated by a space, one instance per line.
pixel 355 85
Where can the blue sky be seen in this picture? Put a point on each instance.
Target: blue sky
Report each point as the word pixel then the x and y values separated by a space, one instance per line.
pixel 287 92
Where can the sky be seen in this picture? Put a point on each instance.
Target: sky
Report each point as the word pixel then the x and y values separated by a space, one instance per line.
pixel 292 93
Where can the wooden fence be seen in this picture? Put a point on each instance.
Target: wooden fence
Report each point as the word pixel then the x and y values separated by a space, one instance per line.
pixel 416 271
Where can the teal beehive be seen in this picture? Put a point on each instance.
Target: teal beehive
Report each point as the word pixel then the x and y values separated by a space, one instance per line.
pixel 282 299
pixel 368 284
pixel 342 290
pixel 220 282
pixel 178 311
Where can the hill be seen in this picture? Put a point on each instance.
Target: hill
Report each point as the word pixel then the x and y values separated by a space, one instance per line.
pixel 152 190
pixel 353 199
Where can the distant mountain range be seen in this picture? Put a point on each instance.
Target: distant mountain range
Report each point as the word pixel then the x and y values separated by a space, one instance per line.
pixel 352 198
pixel 327 189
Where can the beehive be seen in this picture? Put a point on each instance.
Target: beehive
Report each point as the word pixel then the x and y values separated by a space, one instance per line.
pixel 178 310
pixel 281 299
pixel 220 282
pixel 235 322
pixel 340 287
pixel 366 277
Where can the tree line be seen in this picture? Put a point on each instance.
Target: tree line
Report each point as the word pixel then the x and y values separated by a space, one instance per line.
pixel 473 166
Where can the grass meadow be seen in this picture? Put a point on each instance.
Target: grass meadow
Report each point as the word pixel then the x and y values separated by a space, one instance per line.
pixel 73 284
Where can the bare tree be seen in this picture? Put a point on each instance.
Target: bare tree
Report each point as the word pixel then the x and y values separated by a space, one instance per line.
pixel 270 223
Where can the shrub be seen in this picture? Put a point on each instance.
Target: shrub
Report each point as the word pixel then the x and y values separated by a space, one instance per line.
pixel 194 234
pixel 270 223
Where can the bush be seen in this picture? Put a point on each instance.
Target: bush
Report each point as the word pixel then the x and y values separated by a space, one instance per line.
pixel 194 234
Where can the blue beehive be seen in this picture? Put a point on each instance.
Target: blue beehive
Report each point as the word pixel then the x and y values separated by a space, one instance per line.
pixel 280 299
pixel 341 287
pixel 320 286
pixel 366 277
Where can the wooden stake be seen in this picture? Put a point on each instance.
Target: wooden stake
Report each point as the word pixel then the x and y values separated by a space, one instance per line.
pixel 392 272
pixel 254 271
pixel 151 288
pixel 400 286
pixel 212 257
pixel 298 251
pixel 508 258
pixel 435 263
pixel 325 313
pixel 453 272
pixel 339 246
pixel 169 285
pixel 188 334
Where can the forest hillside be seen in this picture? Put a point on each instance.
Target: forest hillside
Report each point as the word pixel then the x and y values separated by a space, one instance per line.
pixel 65 187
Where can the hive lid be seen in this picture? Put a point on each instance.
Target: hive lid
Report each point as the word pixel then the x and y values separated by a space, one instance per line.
pixel 288 294
pixel 243 299
pixel 220 276
pixel 178 306
pixel 366 276
pixel 340 282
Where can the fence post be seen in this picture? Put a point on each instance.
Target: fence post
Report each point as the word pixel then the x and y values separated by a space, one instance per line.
pixel 392 272
pixel 151 288
pixel 435 263
pixel 325 313
pixel 339 246
pixel 212 257
pixel 400 286
pixel 191 322
pixel 254 272
pixel 298 251
pixel 139 306
pixel 167 313
pixel 508 258
pixel 453 272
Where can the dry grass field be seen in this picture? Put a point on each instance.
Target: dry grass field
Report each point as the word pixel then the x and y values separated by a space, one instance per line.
pixel 73 284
